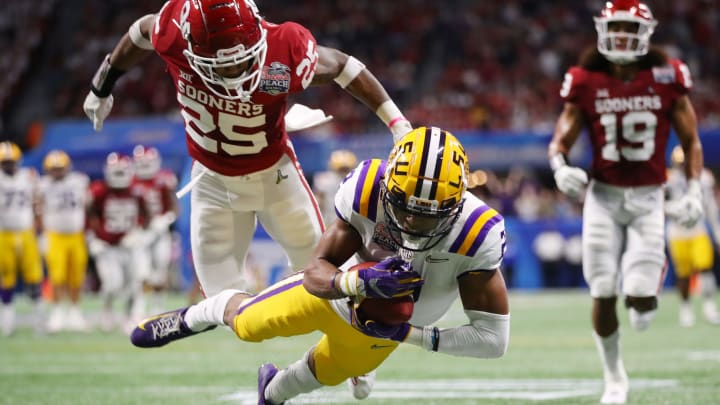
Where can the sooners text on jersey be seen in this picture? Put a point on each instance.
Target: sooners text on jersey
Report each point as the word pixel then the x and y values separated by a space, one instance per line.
pixel 228 136
pixel 630 121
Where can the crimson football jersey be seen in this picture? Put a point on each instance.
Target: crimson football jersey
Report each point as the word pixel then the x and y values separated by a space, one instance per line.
pixel 228 136
pixel 117 211
pixel 629 122
pixel 156 191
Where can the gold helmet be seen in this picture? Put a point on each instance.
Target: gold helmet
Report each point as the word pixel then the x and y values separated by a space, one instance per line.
pixel 9 151
pixel 56 160
pixel 10 156
pixel 677 156
pixel 342 160
pixel 423 190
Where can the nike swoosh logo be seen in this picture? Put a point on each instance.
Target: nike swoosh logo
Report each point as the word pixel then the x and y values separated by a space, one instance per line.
pixel 431 259
pixel 380 346
pixel 146 320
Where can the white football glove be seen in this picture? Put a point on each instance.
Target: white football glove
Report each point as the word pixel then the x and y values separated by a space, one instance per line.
pixel 96 246
pixel 136 239
pixel 97 109
pixel 570 180
pixel 688 210
pixel 162 222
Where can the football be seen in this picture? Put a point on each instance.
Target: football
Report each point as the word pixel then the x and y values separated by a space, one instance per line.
pixel 389 311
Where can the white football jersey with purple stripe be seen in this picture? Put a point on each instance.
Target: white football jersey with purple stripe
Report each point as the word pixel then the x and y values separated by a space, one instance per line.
pixel 476 242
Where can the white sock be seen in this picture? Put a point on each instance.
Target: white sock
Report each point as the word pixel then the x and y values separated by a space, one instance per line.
pixel 609 350
pixel 210 311
pixel 708 286
pixel 640 320
pixel 291 382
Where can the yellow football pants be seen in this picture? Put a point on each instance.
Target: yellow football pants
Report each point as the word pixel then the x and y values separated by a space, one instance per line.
pixel 287 309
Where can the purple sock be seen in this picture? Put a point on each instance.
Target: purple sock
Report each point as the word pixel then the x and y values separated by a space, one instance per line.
pixel 6 295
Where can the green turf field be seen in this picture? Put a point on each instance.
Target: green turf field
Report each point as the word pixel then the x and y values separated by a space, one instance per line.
pixel 551 360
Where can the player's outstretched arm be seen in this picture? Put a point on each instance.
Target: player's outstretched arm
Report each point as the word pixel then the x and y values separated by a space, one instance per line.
pixel 689 209
pixel 352 75
pixel 570 180
pixel 484 298
pixel 133 47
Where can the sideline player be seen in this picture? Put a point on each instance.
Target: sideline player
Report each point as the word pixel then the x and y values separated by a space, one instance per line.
pixel 326 183
pixel 19 253
pixel 62 195
pixel 691 249
pixel 432 238
pixel 157 186
pixel 233 72
pixel 115 217
pixel 628 94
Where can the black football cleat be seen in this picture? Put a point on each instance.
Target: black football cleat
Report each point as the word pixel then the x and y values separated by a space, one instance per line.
pixel 162 329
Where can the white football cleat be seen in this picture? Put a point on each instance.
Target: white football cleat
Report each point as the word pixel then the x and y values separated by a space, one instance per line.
pixel 711 312
pixel 76 321
pixel 7 320
pixel 686 316
pixel 56 322
pixel 616 387
pixel 361 386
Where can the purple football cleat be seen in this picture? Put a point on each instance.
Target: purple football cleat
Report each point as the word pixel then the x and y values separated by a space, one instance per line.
pixel 162 329
pixel 266 372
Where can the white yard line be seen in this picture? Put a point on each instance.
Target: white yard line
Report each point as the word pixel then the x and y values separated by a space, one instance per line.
pixel 525 389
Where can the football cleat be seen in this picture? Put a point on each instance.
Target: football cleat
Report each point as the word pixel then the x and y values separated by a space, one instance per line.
pixel 687 316
pixel 616 387
pixel 162 329
pixel 710 310
pixel 361 386
pixel 56 322
pixel 266 373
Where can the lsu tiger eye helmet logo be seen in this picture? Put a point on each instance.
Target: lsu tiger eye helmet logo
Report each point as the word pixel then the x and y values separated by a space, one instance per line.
pixel 423 190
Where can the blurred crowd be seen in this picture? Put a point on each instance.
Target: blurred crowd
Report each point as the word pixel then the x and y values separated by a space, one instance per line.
pixel 458 64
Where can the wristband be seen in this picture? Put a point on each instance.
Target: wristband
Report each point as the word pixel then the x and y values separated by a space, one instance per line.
pixel 105 77
pixel 348 283
pixel 389 113
pixel 350 71
pixel 557 161
pixel 435 339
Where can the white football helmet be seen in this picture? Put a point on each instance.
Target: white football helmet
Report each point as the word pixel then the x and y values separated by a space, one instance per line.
pixel 225 34
pixel 147 161
pixel 118 171
pixel 620 46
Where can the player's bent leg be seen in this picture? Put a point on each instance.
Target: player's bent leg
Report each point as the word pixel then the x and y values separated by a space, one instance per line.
pixel 296 379
pixel 641 311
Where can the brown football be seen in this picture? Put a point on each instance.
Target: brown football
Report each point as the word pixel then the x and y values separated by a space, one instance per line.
pixel 390 311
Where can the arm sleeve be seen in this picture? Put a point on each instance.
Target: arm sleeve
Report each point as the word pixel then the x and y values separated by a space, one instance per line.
pixel 485 337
